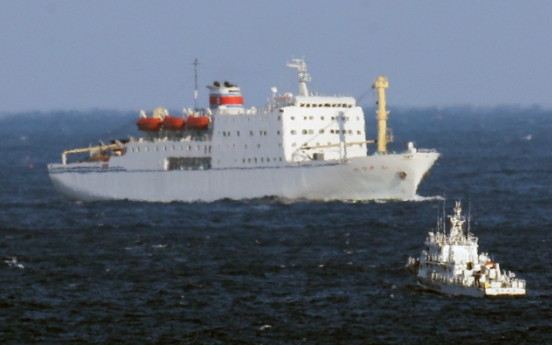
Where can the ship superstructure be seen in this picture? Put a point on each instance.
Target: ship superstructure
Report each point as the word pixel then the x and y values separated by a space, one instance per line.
pixel 451 264
pixel 299 146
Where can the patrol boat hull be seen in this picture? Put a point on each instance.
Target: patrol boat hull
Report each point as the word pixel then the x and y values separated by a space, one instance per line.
pixel 392 176
pixel 472 291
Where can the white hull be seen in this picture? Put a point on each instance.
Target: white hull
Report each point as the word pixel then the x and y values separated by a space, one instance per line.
pixel 359 178
pixel 472 291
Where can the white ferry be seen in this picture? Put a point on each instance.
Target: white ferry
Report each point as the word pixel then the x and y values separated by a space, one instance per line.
pixel 450 264
pixel 305 146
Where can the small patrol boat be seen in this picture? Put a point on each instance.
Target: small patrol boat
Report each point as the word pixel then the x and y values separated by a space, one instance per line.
pixel 450 264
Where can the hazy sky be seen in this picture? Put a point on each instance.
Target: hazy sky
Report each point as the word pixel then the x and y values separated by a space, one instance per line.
pixel 133 54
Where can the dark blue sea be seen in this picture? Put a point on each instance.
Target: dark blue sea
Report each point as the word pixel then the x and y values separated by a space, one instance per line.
pixel 268 271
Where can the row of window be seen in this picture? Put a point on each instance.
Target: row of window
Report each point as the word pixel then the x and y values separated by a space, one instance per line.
pixel 258 145
pixel 261 160
pixel 332 118
pixel 325 105
pixel 251 133
pixel 318 144
pixel 206 149
pixel 332 131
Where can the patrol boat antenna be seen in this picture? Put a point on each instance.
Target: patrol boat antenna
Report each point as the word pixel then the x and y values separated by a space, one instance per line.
pixel 304 77
pixel 195 63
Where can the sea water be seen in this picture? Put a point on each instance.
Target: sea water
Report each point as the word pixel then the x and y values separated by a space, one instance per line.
pixel 273 271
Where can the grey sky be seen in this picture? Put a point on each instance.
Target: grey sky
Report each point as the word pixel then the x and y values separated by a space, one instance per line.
pixel 123 54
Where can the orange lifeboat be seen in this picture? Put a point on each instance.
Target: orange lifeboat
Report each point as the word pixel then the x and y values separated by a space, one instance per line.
pixel 149 124
pixel 174 123
pixel 198 122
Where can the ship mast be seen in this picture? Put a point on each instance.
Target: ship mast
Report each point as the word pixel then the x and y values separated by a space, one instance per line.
pixel 381 84
pixel 195 63
pixel 304 77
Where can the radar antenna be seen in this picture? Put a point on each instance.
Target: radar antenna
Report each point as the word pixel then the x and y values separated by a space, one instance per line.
pixel 195 63
pixel 469 216
pixel 304 77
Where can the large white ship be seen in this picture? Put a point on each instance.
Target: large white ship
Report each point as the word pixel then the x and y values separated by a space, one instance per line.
pixel 304 146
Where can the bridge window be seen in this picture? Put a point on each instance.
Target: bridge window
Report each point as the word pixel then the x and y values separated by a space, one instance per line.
pixel 304 131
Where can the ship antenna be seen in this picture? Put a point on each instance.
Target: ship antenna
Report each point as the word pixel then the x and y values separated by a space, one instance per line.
pixel 438 218
pixel 469 215
pixel 195 63
pixel 444 216
pixel 304 77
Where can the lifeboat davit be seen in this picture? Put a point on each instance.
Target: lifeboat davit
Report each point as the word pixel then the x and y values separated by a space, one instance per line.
pixel 197 122
pixel 174 123
pixel 149 124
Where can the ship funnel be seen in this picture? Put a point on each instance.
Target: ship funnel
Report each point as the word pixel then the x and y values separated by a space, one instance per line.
pixel 384 133
pixel 226 98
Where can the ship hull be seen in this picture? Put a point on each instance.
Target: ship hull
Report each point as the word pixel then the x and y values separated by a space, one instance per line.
pixel 360 178
pixel 472 291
